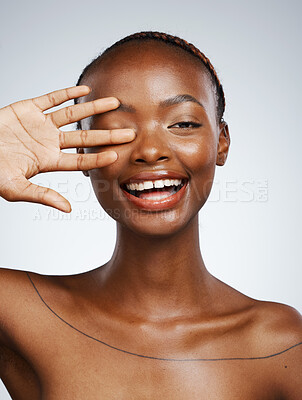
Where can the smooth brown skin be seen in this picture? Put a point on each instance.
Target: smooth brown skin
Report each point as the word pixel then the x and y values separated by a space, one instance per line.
pixel 154 297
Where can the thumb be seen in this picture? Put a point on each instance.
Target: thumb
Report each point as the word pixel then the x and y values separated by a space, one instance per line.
pixel 28 191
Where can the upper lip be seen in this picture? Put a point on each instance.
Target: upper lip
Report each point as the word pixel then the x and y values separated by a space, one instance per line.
pixel 153 175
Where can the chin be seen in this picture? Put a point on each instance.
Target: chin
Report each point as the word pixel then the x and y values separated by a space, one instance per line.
pixel 172 217
pixel 162 223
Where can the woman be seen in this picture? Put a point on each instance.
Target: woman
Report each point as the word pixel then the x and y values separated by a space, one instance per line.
pixel 152 323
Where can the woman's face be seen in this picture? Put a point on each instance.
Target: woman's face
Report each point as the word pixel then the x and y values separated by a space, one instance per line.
pixel 180 136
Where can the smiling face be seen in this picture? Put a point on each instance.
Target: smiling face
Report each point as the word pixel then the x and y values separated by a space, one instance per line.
pixel 167 97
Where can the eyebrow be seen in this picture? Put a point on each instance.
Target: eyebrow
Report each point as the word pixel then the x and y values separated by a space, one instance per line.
pixel 171 101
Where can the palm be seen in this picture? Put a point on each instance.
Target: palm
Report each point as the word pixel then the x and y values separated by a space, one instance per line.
pixel 31 138
pixel 31 142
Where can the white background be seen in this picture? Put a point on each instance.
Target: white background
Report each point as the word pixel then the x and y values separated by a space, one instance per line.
pixel 250 226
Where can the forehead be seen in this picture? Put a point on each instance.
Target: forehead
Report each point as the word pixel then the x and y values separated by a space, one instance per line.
pixel 146 73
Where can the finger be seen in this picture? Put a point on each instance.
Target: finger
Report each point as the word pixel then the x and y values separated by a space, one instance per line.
pixel 85 162
pixel 60 96
pixel 27 191
pixel 74 113
pixel 92 138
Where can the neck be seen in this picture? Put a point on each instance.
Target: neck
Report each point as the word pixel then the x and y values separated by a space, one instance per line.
pixel 154 277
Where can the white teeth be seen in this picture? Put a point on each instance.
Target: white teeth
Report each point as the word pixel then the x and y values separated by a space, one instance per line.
pixel 159 183
pixel 148 185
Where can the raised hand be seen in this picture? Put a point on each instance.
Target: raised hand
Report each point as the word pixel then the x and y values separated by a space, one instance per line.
pixel 31 142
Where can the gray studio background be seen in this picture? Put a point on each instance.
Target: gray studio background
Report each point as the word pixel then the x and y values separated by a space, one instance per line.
pixel 250 228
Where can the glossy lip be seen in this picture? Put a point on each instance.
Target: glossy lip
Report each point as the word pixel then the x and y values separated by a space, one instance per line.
pixel 167 202
pixel 154 175
pixel 154 205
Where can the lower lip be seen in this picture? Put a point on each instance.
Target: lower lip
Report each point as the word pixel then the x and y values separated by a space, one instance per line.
pixel 167 202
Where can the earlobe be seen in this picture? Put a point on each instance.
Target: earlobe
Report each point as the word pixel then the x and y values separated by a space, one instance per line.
pixel 80 150
pixel 223 143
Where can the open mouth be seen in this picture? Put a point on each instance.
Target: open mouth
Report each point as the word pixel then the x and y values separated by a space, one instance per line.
pixel 154 190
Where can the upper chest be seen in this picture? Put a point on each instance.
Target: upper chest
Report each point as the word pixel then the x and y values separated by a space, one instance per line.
pixel 72 362
pixel 78 355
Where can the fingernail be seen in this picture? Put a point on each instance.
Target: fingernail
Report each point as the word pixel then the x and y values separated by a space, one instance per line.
pixel 112 155
pixel 84 87
pixel 129 132
pixel 114 101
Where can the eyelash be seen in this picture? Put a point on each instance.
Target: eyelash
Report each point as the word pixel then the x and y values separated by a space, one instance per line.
pixel 194 124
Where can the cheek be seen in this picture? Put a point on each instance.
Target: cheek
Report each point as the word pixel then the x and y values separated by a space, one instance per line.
pixel 105 180
pixel 199 157
pixel 198 154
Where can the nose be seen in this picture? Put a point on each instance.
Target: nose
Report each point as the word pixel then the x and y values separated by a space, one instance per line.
pixel 150 146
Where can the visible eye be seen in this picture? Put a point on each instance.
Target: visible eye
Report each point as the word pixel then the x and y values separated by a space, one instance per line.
pixel 186 125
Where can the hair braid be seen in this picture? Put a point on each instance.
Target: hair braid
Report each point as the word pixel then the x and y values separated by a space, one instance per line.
pixel 174 41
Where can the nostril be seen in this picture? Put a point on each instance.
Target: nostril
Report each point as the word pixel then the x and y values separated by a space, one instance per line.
pixel 141 160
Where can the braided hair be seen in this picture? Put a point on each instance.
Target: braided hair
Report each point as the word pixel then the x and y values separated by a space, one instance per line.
pixel 173 41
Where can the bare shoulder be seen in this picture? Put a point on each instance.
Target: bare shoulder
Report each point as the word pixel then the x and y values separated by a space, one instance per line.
pixel 278 336
pixel 21 292
pixel 11 281
pixel 13 293
pixel 282 321
pixel 17 295
pixel 16 373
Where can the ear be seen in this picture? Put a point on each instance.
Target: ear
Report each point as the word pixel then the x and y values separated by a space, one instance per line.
pixel 223 143
pixel 80 150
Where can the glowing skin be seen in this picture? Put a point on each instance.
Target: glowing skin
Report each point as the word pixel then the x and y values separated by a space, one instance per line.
pixel 160 143
pixel 142 318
